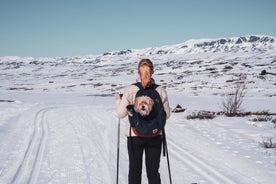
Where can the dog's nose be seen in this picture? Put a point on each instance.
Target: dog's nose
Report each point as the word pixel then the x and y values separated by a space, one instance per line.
pixel 143 107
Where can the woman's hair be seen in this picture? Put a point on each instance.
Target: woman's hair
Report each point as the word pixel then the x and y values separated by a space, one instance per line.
pixel 145 68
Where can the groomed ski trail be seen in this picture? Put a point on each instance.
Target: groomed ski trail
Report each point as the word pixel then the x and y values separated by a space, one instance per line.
pixel 27 171
pixel 206 154
pixel 81 146
pixel 77 144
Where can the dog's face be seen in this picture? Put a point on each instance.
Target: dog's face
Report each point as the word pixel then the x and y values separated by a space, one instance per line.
pixel 143 105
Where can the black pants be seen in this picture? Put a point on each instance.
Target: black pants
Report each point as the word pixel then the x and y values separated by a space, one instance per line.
pixel 136 147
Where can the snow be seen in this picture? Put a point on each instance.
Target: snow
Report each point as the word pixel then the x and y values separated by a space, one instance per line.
pixel 62 124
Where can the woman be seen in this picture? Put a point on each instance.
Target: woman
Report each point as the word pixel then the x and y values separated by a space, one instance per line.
pixel 137 145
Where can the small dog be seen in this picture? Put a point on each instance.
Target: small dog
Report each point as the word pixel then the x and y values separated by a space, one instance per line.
pixel 143 105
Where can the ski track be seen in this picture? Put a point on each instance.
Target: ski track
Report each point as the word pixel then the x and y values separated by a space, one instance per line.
pixel 201 167
pixel 214 133
pixel 85 139
pixel 82 152
pixel 76 144
pixel 189 153
pixel 30 165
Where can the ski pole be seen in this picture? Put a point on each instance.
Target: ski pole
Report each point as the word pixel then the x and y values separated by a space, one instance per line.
pixel 167 153
pixel 118 145
pixel 118 151
pixel 169 168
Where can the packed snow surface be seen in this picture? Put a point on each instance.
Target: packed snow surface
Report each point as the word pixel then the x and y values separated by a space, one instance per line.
pixel 58 121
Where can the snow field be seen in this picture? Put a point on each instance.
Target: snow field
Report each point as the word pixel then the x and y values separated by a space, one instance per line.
pixel 75 141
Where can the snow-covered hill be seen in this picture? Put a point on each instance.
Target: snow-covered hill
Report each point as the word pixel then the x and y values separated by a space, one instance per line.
pixel 195 66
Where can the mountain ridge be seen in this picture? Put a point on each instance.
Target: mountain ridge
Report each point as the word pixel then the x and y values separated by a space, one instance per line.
pixel 233 44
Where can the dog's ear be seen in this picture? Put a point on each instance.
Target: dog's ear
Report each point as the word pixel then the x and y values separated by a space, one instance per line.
pixel 151 102
pixel 136 105
pixel 136 100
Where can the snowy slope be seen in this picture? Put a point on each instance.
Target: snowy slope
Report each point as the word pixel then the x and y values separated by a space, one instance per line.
pixel 58 122
pixel 195 66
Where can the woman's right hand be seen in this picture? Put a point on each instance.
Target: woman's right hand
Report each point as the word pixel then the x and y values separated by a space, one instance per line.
pixel 118 96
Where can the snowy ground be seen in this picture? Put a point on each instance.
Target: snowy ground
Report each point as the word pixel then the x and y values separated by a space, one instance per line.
pixel 58 122
pixel 72 138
